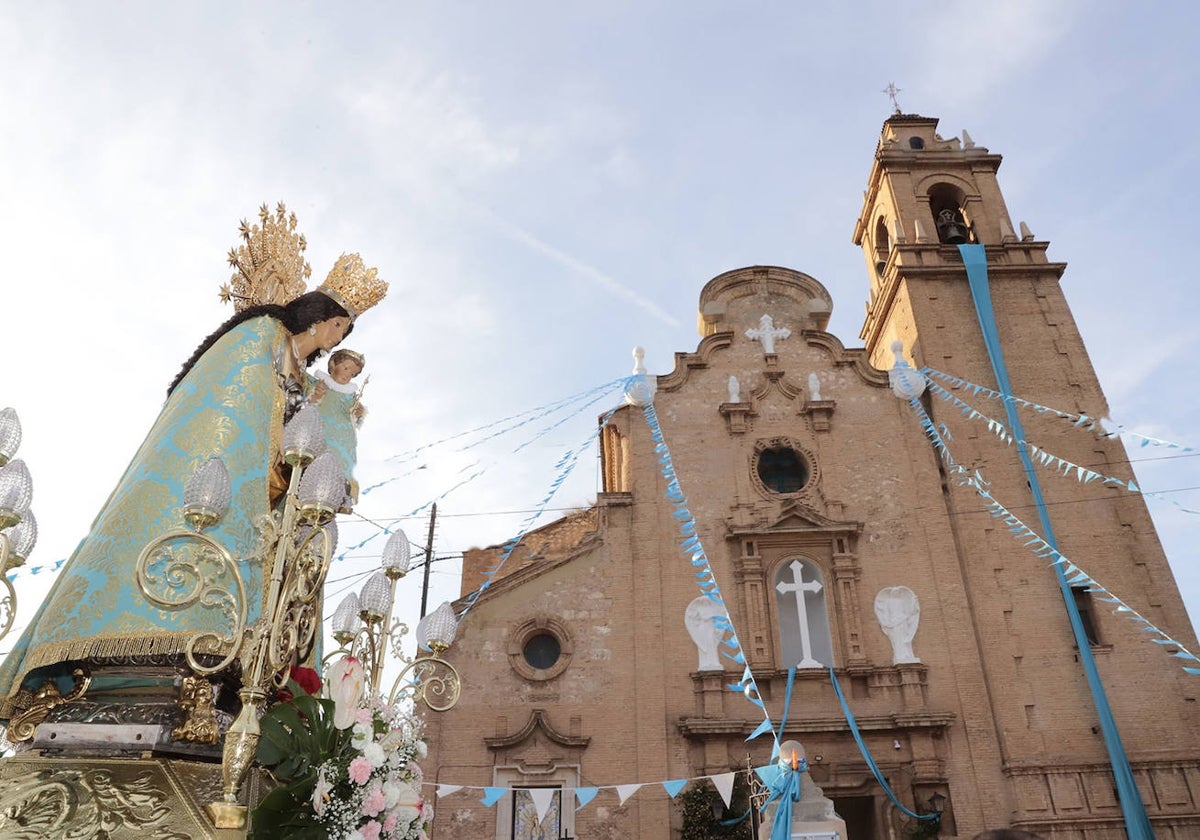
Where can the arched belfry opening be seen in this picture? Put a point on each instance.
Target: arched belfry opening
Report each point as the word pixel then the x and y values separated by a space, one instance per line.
pixel 883 244
pixel 947 203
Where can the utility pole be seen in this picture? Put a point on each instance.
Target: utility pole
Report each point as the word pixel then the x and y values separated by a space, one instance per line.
pixel 428 559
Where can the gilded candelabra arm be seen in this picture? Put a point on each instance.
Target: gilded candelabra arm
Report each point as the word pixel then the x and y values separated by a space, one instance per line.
pixel 184 568
pixel 396 637
pixel 433 681
pixel 295 620
pixel 8 603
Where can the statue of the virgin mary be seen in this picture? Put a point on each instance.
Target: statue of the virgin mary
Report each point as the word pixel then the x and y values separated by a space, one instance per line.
pixel 230 400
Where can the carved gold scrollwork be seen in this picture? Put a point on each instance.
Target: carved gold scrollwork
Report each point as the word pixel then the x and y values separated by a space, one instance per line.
pixel 87 804
pixel 8 606
pixel 196 700
pixel 24 724
pixel 433 681
pixel 295 624
pixel 184 568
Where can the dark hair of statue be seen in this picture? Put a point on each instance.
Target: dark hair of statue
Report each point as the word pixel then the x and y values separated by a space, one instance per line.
pixel 308 309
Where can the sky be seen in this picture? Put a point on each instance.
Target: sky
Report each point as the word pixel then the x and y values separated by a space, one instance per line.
pixel 545 186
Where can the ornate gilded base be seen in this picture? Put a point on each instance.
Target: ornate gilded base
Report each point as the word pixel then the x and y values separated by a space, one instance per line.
pixel 88 798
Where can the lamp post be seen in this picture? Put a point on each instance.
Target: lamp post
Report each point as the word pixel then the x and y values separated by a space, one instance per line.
pixel 18 527
pixel 364 627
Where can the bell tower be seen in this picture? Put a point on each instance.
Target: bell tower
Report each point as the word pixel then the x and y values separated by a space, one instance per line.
pixel 1052 652
pixel 924 196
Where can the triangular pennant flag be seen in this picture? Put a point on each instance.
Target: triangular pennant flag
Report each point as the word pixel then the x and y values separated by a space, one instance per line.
pixel 724 785
pixel 542 797
pixel 765 726
pixel 674 786
pixel 446 790
pixel 492 795
pixel 585 795
pixel 626 791
pixel 768 774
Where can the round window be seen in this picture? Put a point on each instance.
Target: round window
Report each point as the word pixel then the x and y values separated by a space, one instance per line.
pixel 540 648
pixel 542 651
pixel 782 469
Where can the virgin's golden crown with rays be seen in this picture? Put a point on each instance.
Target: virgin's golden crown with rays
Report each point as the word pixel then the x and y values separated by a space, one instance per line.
pixel 269 265
pixel 270 268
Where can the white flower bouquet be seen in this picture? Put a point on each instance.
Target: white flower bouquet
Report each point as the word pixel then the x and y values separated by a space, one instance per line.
pixel 346 766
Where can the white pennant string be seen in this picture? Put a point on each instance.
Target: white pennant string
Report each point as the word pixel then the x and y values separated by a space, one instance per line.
pixel 542 797
pixel 626 791
pixel 724 785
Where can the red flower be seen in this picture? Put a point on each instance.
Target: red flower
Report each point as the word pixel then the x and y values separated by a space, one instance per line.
pixel 308 679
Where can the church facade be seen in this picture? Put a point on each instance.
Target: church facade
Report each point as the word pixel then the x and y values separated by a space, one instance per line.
pixel 841 538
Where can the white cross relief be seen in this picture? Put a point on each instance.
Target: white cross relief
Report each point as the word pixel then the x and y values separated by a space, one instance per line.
pixel 766 332
pixel 799 587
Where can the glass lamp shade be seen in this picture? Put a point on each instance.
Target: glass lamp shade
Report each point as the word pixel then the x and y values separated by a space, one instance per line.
pixel 396 555
pixel 21 539
pixel 437 629
pixel 345 619
pixel 206 494
pixel 376 598
pixel 16 492
pixel 10 434
pixel 322 488
pixel 304 436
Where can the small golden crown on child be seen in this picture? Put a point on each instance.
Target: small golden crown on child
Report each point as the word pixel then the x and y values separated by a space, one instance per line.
pixel 354 286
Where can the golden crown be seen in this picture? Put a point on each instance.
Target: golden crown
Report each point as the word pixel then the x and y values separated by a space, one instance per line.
pixel 353 285
pixel 269 264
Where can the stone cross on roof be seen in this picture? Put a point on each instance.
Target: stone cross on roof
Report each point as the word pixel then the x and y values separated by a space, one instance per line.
pixel 766 332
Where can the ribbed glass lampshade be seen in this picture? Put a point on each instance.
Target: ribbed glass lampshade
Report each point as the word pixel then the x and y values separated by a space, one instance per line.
pixel 10 434
pixel 22 538
pixel 322 488
pixel 304 436
pixel 345 619
pixel 396 555
pixel 206 493
pixel 16 492
pixel 376 597
pixel 437 629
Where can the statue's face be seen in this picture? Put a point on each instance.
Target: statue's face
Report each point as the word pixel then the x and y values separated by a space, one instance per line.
pixel 331 331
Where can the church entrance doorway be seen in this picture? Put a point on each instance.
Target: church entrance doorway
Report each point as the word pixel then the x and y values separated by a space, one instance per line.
pixel 859 814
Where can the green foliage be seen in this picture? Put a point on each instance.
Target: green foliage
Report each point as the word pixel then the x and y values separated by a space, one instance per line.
pixel 297 738
pixel 697 804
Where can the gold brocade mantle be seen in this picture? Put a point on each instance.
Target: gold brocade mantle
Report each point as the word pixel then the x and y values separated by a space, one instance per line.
pixel 89 798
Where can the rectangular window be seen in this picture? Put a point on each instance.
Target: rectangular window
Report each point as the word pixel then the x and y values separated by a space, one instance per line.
pixel 1083 603
pixel 525 823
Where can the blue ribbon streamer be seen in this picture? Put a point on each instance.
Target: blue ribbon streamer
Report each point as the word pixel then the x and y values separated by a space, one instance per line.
pixel 784 789
pixel 866 754
pixel 1137 823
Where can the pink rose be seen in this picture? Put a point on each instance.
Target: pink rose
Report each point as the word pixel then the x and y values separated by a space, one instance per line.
pixel 345 686
pixel 360 770
pixel 370 831
pixel 389 824
pixel 373 803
